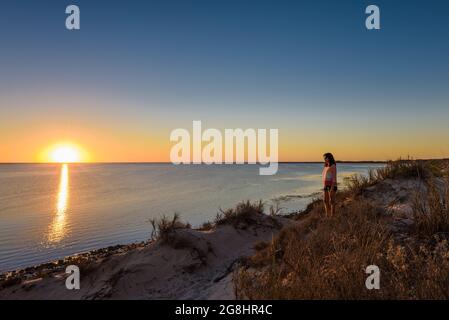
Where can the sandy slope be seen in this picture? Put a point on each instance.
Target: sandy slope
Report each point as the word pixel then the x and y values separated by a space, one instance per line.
pixel 201 269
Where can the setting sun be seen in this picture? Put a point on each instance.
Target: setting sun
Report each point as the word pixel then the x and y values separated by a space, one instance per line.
pixel 64 153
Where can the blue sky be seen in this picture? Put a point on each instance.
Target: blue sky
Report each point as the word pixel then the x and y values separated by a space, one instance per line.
pixel 305 67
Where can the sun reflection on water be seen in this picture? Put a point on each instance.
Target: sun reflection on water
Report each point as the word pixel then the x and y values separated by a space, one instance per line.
pixel 57 228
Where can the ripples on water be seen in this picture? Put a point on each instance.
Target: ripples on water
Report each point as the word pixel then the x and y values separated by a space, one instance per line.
pixel 48 211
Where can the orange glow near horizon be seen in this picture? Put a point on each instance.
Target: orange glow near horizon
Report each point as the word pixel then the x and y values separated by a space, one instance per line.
pixel 133 150
pixel 46 144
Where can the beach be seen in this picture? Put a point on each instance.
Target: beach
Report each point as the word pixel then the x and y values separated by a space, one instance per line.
pixel 48 212
pixel 230 259
pixel 198 264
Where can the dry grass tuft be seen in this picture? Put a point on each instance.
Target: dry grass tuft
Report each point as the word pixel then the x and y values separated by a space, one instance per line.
pixel 241 216
pixel 206 226
pixel 164 229
pixel 326 258
pixel 431 213
pixel 399 169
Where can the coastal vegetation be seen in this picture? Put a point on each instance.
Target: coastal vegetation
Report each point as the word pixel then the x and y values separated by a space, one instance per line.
pixel 396 218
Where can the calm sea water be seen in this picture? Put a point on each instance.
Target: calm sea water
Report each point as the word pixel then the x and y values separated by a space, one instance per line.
pixel 48 211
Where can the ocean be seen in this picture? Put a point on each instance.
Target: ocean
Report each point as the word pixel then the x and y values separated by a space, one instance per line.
pixel 49 211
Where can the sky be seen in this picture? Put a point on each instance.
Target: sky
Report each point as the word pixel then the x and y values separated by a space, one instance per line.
pixel 136 70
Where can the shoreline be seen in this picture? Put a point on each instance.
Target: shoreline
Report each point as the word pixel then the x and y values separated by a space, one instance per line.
pixel 206 255
pixel 99 253
pixel 53 263
pixel 57 265
pixel 102 252
pixel 232 258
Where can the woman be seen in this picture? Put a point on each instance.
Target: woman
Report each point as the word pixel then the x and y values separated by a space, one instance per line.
pixel 330 183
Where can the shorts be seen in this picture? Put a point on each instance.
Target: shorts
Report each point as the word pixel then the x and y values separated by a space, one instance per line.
pixel 328 188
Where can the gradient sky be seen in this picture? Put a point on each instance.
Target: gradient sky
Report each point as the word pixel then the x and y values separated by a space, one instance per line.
pixel 138 69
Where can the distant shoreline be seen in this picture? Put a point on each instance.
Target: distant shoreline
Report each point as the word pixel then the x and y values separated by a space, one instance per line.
pixel 280 162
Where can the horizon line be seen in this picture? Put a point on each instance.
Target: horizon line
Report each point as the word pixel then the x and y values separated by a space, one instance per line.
pixel 164 162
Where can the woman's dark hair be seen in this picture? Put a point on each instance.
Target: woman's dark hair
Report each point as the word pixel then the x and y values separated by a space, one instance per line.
pixel 329 157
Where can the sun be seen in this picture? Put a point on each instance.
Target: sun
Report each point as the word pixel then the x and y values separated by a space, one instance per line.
pixel 65 153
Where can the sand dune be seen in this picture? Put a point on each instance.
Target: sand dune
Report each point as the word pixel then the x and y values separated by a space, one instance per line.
pixel 200 266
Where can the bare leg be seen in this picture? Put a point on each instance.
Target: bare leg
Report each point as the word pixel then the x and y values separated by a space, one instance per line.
pixel 326 199
pixel 332 201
